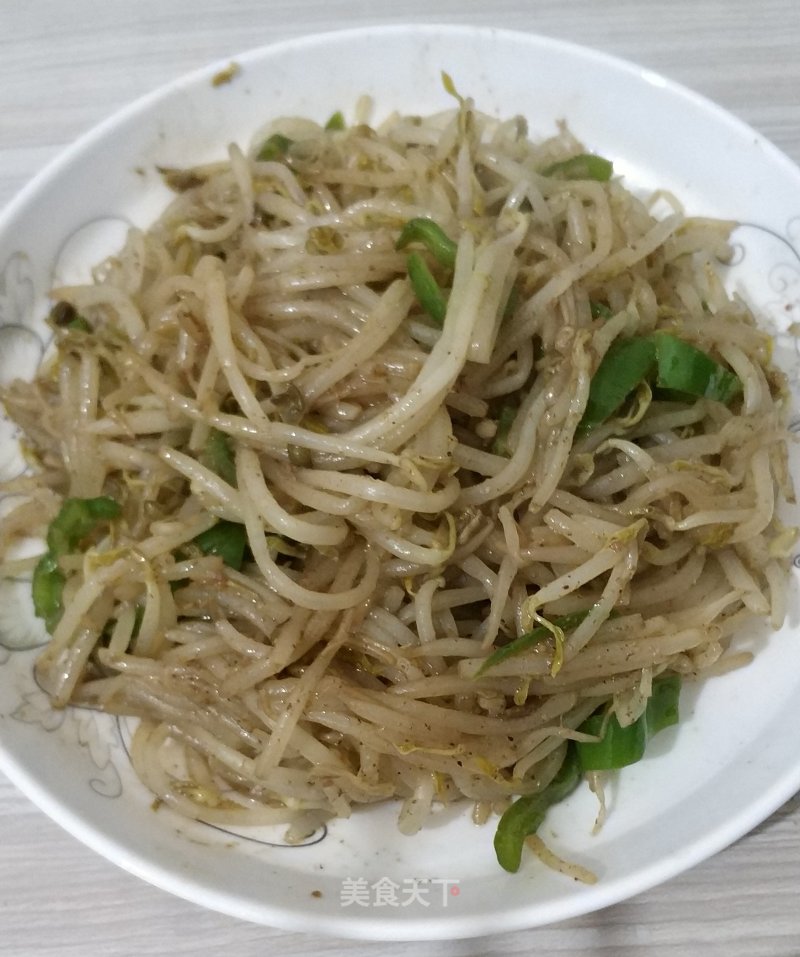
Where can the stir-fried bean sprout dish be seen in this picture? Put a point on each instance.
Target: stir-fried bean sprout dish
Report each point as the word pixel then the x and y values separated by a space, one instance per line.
pixel 413 461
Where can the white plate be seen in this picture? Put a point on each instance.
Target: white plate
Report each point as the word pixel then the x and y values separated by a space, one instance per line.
pixel 733 760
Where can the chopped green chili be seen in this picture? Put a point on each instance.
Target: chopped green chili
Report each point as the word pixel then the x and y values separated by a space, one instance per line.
pixel 626 363
pixel 662 705
pixel 336 121
pixel 76 520
pixel 621 746
pixel 432 236
pixel 505 420
pixel 679 368
pixel 526 814
pixel 426 289
pixel 218 456
pixel 47 590
pixel 275 147
pixel 582 166
pixel 431 297
pixel 226 539
pixel 531 638
pixel 618 748
pixel 600 310
pixel 683 367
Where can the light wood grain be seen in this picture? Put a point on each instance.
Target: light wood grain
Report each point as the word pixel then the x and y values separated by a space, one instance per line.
pixel 65 67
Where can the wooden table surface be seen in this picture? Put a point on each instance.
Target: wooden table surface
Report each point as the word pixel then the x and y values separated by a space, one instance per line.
pixel 64 66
